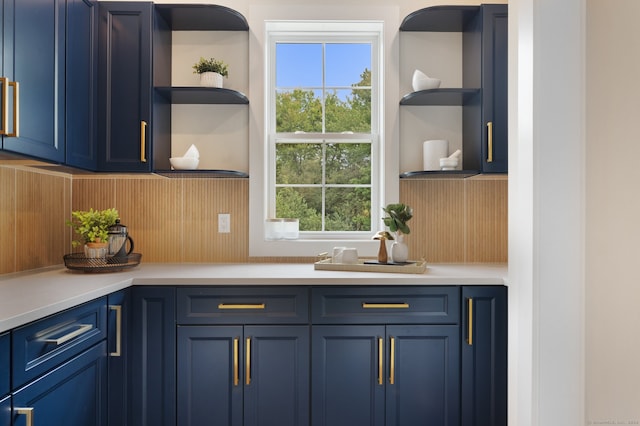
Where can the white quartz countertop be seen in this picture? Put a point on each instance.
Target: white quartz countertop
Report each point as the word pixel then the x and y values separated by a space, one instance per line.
pixel 27 297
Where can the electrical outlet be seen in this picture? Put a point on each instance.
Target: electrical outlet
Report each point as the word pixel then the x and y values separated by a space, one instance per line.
pixel 224 223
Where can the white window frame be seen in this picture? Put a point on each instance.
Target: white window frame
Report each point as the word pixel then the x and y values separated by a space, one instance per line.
pixel 312 243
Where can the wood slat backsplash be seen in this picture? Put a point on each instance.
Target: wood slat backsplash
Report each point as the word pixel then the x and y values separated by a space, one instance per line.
pixel 176 220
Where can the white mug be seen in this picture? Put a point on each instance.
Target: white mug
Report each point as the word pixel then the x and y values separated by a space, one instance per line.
pixel 350 255
pixel 337 254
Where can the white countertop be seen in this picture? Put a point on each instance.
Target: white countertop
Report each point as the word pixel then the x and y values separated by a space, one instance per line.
pixel 27 297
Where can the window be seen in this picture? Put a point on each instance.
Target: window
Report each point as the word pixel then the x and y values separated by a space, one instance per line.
pixel 323 127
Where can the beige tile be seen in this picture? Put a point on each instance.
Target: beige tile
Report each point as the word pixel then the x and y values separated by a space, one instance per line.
pixel 7 220
pixel 437 226
pixel 204 199
pixel 42 202
pixel 486 221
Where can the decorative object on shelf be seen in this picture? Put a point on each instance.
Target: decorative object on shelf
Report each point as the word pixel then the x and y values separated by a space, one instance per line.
pixel 421 81
pixel 397 217
pixel 383 236
pixel 189 161
pixel 432 152
pixel 211 71
pixel 450 162
pixel 93 228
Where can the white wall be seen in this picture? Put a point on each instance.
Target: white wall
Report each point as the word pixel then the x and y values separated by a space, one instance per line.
pixel 613 212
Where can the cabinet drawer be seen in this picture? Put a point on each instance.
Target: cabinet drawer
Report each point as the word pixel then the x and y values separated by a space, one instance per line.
pixel 42 345
pixel 243 305
pixel 4 364
pixel 389 305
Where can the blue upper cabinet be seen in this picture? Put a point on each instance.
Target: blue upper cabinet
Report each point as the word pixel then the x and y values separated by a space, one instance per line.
pixel 484 92
pixel 34 58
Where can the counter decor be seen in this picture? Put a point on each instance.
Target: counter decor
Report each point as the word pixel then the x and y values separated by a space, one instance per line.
pixel 211 72
pixel 397 217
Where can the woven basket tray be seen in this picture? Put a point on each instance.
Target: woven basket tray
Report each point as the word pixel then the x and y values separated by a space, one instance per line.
pixel 79 262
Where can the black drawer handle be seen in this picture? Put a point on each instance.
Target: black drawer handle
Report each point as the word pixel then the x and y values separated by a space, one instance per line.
pixel 84 328
pixel 366 305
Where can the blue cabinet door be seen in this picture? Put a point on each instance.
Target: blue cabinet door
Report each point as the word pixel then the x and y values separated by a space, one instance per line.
pixel 484 356
pixel 125 85
pixel 118 350
pixel 348 375
pixel 251 376
pixel 210 375
pixel 153 356
pixel 81 84
pixel 34 56
pixel 70 395
pixel 5 366
pixel 276 377
pixel 423 382
pixel 5 411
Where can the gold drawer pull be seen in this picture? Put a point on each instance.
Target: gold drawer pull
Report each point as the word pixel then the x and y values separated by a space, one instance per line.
pixel 247 364
pixel 366 305
pixel 118 310
pixel 490 142
pixel 236 367
pixel 26 411
pixel 4 82
pixel 143 141
pixel 84 328
pixel 380 360
pixel 392 362
pixel 241 306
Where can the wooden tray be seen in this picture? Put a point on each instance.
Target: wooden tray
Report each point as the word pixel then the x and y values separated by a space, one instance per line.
pixel 410 267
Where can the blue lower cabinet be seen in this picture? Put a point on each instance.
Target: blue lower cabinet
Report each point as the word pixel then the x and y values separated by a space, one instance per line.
pixel 5 363
pixel 5 411
pixel 243 375
pixel 70 395
pixel 385 375
pixel 484 356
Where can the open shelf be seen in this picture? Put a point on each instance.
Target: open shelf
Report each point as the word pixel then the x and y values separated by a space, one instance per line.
pixel 446 97
pixel 201 17
pixel 439 174
pixel 440 18
pixel 202 95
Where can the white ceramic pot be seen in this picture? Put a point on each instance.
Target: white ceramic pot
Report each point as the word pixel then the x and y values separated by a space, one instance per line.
pixel 211 79
pixel 399 250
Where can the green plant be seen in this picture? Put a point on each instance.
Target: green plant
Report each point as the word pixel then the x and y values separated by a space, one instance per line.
pixel 92 225
pixel 211 65
pixel 397 217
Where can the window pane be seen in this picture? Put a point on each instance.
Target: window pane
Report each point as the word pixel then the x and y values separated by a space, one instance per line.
pixel 348 111
pixel 346 62
pixel 302 203
pixel 298 163
pixel 348 209
pixel 298 65
pixel 349 163
pixel 298 111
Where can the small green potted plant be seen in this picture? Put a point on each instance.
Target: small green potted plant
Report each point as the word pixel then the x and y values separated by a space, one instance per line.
pixel 397 217
pixel 211 71
pixel 93 228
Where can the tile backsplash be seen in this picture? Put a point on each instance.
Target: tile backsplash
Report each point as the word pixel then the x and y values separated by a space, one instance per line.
pixel 175 219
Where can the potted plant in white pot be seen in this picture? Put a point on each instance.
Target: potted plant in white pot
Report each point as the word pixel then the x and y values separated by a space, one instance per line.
pixel 93 228
pixel 211 71
pixel 397 217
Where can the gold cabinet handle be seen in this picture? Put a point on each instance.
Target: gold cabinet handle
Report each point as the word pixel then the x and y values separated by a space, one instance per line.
pixel 490 142
pixel 248 362
pixel 392 361
pixel 26 411
pixel 366 305
pixel 118 310
pixel 4 82
pixel 84 328
pixel 470 321
pixel 241 306
pixel 380 360
pixel 236 372
pixel 143 141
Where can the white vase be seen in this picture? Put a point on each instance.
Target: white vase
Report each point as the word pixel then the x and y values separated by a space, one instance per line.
pixel 399 250
pixel 211 79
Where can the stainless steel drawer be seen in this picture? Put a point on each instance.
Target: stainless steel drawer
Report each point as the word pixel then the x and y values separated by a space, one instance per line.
pixel 388 305
pixel 42 345
pixel 243 305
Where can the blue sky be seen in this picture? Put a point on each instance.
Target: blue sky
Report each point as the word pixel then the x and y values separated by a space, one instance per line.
pixel 300 65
